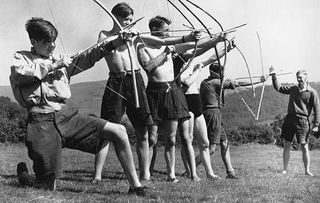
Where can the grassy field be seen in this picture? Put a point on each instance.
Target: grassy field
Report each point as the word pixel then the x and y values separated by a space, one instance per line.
pixel 258 167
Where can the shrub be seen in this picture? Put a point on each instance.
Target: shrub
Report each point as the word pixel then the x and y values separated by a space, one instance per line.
pixel 261 134
pixel 12 131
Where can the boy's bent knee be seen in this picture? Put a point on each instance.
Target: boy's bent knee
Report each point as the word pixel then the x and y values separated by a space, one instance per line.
pixel 114 130
pixel 204 145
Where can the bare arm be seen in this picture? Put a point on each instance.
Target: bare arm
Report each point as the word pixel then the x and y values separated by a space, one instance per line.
pixel 153 40
pixel 148 62
pixel 191 78
pixel 220 55
pixel 203 46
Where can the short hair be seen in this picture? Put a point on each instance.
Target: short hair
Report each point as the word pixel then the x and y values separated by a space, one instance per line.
pixel 215 67
pixel 158 21
pixel 40 29
pixel 302 72
pixel 122 10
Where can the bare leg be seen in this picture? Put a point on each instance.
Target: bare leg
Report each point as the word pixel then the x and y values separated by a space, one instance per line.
pixel 143 152
pixel 286 156
pixel 183 154
pixel 225 155
pixel 153 159
pixel 117 134
pixel 188 149
pixel 153 138
pixel 100 160
pixel 306 158
pixel 203 142
pixel 169 129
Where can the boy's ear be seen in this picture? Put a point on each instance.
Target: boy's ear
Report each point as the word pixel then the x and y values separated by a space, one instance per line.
pixel 33 42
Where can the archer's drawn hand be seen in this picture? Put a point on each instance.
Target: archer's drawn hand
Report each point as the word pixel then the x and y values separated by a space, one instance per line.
pixel 66 61
pixel 231 45
pixel 232 84
pixel 197 66
pixel 222 37
pixel 126 35
pixel 272 71
pixel 169 49
pixel 193 36
pixel 263 78
pixel 134 32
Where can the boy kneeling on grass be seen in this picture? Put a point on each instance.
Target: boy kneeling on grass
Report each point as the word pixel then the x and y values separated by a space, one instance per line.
pixel 41 83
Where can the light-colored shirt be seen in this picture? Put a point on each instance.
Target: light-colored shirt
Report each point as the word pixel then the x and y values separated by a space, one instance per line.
pixel 41 91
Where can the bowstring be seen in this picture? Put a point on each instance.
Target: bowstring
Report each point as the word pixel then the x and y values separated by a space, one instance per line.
pixel 73 64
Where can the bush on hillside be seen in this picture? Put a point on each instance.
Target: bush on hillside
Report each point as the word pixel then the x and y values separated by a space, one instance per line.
pixel 12 131
pixel 251 134
pixel 12 121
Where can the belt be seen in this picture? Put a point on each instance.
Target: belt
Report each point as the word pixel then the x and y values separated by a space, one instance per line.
pixel 123 73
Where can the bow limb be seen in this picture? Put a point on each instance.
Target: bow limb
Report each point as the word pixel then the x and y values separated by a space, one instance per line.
pixel 80 53
pixel 264 83
pixel 249 72
pixel 225 46
pixel 129 52
pixel 195 45
pixel 245 103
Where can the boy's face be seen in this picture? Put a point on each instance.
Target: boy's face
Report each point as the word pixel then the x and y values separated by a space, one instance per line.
pixel 43 48
pixel 125 21
pixel 162 31
pixel 302 79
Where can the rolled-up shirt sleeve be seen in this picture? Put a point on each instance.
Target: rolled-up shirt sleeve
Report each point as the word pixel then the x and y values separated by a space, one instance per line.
pixel 86 59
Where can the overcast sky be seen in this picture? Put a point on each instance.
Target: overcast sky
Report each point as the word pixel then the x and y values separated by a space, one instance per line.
pixel 289 31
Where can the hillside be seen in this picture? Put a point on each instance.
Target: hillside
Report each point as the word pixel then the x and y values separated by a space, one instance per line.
pixel 6 92
pixel 88 97
pixel 236 113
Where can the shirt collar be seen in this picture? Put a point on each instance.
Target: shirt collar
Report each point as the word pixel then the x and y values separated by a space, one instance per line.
pixel 307 88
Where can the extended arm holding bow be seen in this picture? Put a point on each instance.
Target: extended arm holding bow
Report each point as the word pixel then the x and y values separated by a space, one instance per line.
pixel 129 52
pixel 215 48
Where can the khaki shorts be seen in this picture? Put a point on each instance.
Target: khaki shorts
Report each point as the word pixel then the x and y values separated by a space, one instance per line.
pixel 216 133
pixel 298 126
pixel 47 134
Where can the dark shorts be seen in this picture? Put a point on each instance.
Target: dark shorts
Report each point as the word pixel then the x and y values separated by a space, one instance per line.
pixel 216 132
pixel 194 104
pixel 166 103
pixel 298 126
pixel 114 106
pixel 47 134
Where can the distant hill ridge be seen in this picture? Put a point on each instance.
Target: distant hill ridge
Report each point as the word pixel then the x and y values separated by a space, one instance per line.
pixel 88 96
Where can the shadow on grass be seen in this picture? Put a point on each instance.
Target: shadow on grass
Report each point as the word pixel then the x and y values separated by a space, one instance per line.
pixel 8 176
pixel 269 169
pixel 62 187
pixel 78 175
pixel 79 171
pixel 160 172
pixel 93 190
